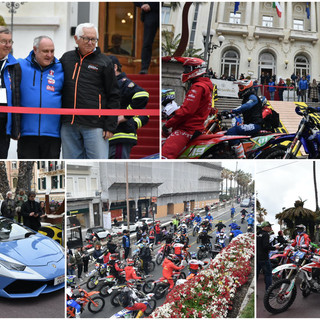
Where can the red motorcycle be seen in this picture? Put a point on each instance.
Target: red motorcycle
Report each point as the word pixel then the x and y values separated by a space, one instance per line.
pixel 163 252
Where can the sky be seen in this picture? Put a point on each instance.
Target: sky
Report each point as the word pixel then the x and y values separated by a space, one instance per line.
pixel 280 183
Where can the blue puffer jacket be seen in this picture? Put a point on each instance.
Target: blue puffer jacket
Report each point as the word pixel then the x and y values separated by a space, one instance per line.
pixel 41 88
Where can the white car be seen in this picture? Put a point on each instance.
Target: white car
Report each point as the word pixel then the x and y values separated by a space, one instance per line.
pixel 148 221
pixel 122 225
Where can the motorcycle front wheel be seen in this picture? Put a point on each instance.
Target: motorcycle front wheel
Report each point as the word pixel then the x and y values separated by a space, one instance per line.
pixel 201 255
pixel 92 282
pixel 104 290
pixel 96 305
pixel 160 290
pixel 151 266
pixel 273 153
pixel 148 286
pixel 275 299
pixel 115 299
pixel 152 304
pixel 159 258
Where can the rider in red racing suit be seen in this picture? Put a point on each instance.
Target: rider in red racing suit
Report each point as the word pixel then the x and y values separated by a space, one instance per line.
pixel 188 120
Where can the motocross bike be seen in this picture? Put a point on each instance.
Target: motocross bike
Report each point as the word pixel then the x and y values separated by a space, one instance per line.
pixel 148 300
pixel 207 249
pixel 138 262
pixel 308 136
pixel 163 252
pixel 196 228
pixel 281 294
pixel 243 216
pixel 95 304
pixel 109 282
pixel 96 275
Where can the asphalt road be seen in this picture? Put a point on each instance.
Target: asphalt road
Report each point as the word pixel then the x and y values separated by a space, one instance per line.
pixel 50 305
pixel 222 214
pixel 301 308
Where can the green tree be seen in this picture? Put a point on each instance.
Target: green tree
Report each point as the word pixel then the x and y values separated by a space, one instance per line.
pixel 25 175
pixel 4 182
pixel 2 22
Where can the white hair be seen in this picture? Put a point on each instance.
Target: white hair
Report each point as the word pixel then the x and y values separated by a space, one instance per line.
pixel 37 40
pixel 79 30
pixel 9 192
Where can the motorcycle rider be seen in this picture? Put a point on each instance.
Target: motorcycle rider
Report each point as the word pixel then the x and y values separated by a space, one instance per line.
pixel 168 268
pixel 233 211
pixel 145 255
pixel 188 121
pixel 204 237
pixel 114 268
pixel 302 239
pixel 130 301
pixel 251 109
pixel 178 248
pixel 194 266
pixel 220 225
pixel 233 225
pixel 250 222
pixel 197 218
pixel 236 231
pixel 221 238
pixel 210 218
pixel 130 271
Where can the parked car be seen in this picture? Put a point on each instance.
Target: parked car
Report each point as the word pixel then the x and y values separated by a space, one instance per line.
pixel 148 221
pixel 30 264
pixel 245 203
pixel 99 232
pixel 122 225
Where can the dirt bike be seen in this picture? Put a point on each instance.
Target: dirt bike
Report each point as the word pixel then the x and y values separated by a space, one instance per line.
pixel 138 262
pixel 308 136
pixel 281 294
pixel 109 282
pixel 98 274
pixel 95 304
pixel 163 252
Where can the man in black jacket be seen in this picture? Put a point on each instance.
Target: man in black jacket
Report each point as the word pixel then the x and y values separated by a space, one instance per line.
pixel 10 78
pixel 89 83
pixel 31 212
pixel 263 248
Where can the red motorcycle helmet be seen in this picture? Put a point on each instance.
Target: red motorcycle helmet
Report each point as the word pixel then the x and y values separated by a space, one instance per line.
pixel 244 86
pixel 193 68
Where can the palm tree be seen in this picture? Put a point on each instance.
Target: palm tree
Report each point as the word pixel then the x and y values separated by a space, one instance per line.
pixel 25 175
pixel 298 215
pixel 4 182
pixel 261 212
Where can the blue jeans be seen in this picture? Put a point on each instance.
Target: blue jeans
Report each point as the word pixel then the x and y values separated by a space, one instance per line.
pixel 267 271
pixel 244 129
pixel 81 142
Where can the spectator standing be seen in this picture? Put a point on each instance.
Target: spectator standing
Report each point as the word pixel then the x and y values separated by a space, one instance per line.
pixel 31 212
pixel 303 87
pixel 41 87
pixel 85 258
pixel 210 73
pixel 42 208
pixel 294 78
pixel 90 83
pixel 281 84
pixel 79 262
pixel 10 77
pixel 214 76
pixel 267 78
pixel 262 78
pixel 71 264
pixel 314 94
pixel 8 206
pixel 158 232
pixel 126 243
pixel 272 89
pixel 20 199
pixel 263 248
pixel 150 16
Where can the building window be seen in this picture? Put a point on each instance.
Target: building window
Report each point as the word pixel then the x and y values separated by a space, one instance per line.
pixel 14 165
pixel 235 18
pixel 301 66
pixel 54 182
pixel 298 24
pixel 165 14
pixel 42 183
pixel 230 64
pixel 194 26
pixel 14 182
pixel 267 21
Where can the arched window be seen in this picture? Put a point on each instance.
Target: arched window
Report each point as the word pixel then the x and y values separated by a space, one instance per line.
pixel 301 66
pixel 14 182
pixel 230 63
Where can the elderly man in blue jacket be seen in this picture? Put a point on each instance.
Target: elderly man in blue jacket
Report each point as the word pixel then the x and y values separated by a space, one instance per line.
pixel 10 77
pixel 41 87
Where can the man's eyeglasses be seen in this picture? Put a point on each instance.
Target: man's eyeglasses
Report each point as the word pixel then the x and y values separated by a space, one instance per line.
pixel 87 40
pixel 4 42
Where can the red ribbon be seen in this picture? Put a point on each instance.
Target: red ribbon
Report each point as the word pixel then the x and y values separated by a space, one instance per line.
pixel 83 112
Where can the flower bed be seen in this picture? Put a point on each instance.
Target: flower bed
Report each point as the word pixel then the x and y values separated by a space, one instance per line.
pixel 210 293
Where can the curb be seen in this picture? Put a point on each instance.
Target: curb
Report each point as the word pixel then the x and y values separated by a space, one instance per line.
pixel 247 297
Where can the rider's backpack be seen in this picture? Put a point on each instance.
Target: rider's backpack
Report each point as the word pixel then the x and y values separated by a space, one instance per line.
pixel 124 299
pixel 271 119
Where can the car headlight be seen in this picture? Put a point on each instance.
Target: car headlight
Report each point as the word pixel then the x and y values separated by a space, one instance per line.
pixel 12 265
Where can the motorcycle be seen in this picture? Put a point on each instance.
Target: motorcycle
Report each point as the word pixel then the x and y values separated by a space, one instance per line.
pixel 242 218
pixel 281 294
pixel 196 228
pixel 204 251
pixel 109 282
pixel 148 300
pixel 308 136
pixel 163 252
pixel 95 304
pixel 96 275
pixel 138 262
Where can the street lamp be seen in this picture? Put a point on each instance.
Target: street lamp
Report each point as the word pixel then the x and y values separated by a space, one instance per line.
pixel 13 7
pixel 286 63
pixel 211 46
pixel 249 60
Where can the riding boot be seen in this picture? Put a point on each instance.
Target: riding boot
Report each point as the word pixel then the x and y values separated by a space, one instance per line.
pixel 140 314
pixel 239 151
pixel 78 314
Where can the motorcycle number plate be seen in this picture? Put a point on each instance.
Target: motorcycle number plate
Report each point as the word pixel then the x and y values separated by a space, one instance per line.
pixel 109 290
pixel 58 280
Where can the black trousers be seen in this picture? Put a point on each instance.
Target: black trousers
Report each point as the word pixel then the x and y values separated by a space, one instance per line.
pixel 4 139
pixel 39 147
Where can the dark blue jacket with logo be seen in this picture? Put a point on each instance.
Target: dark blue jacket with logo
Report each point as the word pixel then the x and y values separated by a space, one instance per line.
pixel 41 88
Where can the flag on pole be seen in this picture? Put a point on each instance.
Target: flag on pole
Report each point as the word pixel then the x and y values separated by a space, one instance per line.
pixel 277 6
pixel 236 7
pixel 308 10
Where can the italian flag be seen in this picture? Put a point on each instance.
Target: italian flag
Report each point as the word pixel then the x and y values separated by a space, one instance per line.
pixel 278 8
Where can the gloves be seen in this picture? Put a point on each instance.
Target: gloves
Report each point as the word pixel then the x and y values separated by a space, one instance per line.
pixel 165 131
pixel 227 114
pixel 312 110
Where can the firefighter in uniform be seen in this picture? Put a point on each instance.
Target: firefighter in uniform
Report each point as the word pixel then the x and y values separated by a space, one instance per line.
pixel 132 97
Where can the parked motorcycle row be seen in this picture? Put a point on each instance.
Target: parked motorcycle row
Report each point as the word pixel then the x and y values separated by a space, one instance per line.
pixel 149 289
pixel 213 143
pixel 292 268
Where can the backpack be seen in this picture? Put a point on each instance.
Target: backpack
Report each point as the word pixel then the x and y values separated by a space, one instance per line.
pixel 124 299
pixel 271 119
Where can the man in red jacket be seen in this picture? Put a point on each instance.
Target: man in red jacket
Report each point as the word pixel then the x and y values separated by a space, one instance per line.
pixel 168 268
pixel 188 121
pixel 130 271
pixel 302 239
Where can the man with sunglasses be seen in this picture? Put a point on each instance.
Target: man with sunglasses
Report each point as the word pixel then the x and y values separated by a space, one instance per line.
pixel 10 78
pixel 89 83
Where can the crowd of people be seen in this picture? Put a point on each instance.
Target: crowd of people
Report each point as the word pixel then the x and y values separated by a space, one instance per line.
pixel 83 78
